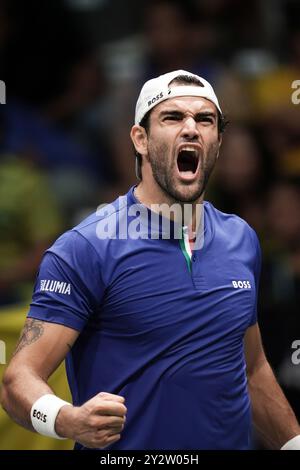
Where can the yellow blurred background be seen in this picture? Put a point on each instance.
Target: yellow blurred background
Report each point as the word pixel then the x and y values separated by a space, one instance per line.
pixel 13 436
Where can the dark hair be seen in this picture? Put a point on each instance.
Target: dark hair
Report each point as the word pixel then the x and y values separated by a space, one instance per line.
pixel 145 122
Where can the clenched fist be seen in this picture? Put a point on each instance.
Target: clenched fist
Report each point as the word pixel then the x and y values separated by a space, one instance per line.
pixel 96 424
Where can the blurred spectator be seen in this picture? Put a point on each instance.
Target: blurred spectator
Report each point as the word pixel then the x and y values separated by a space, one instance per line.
pixel 177 38
pixel 274 109
pixel 233 19
pixel 52 78
pixel 29 222
pixel 280 284
pixel 239 181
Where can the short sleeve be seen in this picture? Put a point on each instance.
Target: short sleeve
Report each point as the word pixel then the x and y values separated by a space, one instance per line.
pixel 256 272
pixel 69 287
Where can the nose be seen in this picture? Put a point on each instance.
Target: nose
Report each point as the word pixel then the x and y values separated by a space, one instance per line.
pixel 189 129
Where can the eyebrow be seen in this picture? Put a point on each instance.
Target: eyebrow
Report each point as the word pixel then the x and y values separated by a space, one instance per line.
pixel 177 113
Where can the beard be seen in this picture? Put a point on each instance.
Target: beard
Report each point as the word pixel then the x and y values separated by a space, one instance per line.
pixel 165 173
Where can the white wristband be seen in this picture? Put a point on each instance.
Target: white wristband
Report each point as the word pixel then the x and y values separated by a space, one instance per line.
pixel 43 414
pixel 292 444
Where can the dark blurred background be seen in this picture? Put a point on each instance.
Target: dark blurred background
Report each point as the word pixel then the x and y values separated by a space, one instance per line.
pixel 73 70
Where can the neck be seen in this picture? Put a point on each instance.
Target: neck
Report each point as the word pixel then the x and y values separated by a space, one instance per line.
pixel 184 213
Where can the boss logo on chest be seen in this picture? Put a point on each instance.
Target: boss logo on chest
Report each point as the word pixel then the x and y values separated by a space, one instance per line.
pixel 241 284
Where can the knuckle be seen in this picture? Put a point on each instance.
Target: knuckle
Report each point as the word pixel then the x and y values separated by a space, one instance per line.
pixel 91 421
pixel 99 408
pixel 95 420
pixel 95 424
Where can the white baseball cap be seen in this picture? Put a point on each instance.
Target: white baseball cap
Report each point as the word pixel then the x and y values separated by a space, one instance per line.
pixel 157 90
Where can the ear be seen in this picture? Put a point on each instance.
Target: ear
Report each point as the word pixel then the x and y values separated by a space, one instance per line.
pixel 139 138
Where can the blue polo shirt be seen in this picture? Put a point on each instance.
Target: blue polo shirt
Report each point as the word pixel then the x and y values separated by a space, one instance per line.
pixel 162 330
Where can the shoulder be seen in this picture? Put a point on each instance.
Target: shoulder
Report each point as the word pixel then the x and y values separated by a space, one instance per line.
pixel 225 219
pixel 86 238
pixel 103 214
pixel 232 227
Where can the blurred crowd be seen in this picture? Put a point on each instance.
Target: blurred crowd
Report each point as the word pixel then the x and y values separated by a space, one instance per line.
pixel 73 70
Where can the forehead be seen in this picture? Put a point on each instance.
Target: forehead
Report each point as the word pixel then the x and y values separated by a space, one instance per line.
pixel 192 104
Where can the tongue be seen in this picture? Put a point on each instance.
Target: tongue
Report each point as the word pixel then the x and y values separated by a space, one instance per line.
pixel 186 173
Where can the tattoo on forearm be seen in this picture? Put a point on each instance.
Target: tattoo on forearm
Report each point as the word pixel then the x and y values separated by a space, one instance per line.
pixel 32 331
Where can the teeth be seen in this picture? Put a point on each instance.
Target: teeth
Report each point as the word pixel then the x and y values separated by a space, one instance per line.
pixel 188 148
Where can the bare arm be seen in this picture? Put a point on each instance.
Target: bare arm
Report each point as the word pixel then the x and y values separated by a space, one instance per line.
pixel 273 416
pixel 41 348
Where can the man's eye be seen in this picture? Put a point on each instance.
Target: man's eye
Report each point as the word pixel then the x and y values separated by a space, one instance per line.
pixel 172 118
pixel 206 119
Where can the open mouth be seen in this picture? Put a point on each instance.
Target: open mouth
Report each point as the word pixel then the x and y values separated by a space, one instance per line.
pixel 187 160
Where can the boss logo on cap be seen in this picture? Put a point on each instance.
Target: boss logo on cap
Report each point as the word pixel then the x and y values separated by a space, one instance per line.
pixel 155 98
pixel 39 415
